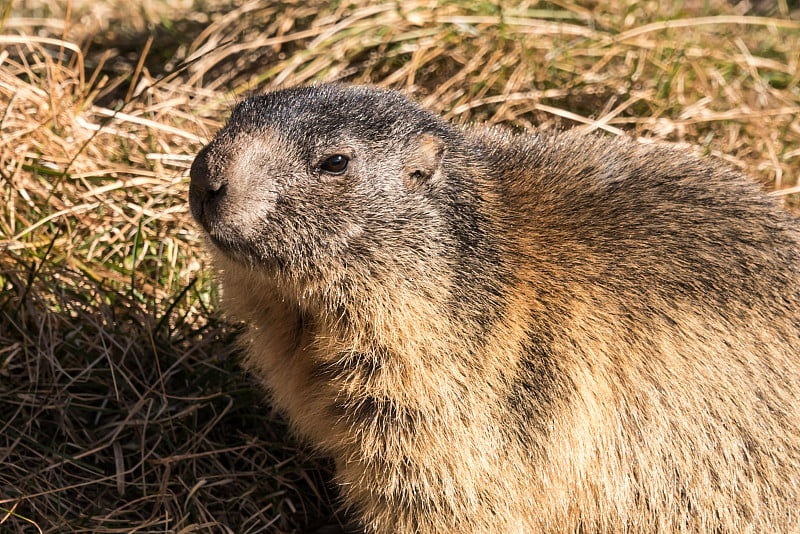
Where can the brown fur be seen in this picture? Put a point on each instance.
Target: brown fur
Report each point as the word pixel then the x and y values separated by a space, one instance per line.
pixel 511 333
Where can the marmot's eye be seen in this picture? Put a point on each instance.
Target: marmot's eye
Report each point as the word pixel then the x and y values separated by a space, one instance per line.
pixel 335 164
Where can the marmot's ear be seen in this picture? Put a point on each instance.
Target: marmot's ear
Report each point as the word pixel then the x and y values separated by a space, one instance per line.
pixel 423 160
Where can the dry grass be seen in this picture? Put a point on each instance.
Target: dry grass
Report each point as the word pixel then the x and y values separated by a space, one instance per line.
pixel 123 408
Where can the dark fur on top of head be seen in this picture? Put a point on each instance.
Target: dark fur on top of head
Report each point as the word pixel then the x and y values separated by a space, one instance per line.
pixel 492 332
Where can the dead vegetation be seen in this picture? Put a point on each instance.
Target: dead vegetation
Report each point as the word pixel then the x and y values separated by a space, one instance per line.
pixel 123 406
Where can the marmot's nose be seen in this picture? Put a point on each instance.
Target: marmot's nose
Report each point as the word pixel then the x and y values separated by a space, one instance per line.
pixel 203 178
pixel 208 185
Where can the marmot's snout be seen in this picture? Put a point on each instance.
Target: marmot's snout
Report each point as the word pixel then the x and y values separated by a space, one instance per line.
pixel 207 188
pixel 249 202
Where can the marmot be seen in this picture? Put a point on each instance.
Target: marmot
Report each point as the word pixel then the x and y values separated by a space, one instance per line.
pixel 506 332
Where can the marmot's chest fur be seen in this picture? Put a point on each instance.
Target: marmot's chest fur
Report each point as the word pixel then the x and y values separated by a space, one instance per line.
pixel 492 332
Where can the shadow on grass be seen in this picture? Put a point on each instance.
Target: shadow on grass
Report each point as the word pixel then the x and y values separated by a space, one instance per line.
pixel 115 419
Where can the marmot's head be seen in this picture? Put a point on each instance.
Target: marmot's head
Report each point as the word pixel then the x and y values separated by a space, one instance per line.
pixel 313 178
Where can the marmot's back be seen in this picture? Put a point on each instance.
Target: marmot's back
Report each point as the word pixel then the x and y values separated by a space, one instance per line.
pixel 502 333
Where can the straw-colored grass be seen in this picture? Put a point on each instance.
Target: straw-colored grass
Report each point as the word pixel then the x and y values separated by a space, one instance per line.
pixel 122 405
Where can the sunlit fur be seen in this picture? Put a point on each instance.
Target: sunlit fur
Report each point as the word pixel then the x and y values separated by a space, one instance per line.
pixel 507 333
